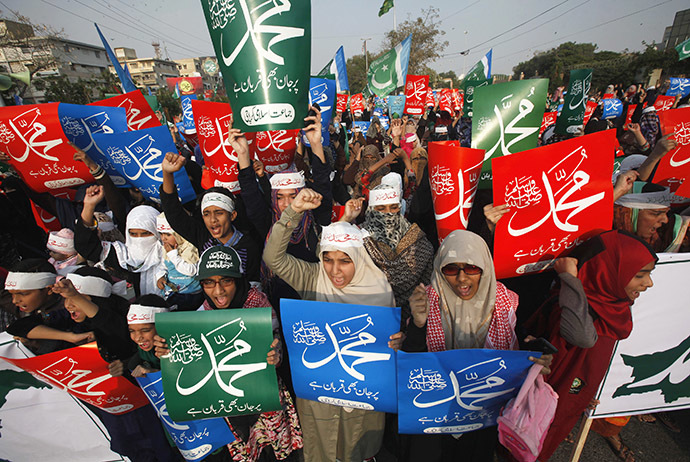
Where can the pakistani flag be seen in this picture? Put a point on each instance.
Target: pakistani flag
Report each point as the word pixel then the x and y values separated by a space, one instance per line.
pixel 336 67
pixel 481 70
pixel 389 71
pixel 387 5
pixel 683 49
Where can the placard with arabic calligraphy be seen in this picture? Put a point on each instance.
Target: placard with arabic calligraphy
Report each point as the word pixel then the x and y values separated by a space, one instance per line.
pixel 558 195
pixel 664 103
pixel 339 353
pixel 264 54
pixel 341 104
pixel 572 116
pixel 137 156
pixel 506 120
pixel 275 148
pixel 217 363
pixel 469 87
pixel 82 373
pixel 396 105
pixel 679 86
pixel 33 138
pixel 416 88
pixel 194 439
pixel 674 167
pixel 357 104
pixel 457 391
pixel 79 124
pixel 140 115
pixel 322 92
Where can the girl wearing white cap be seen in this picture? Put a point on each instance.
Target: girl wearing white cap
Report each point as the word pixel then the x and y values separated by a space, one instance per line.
pixel 141 319
pixel 63 256
pixel 344 274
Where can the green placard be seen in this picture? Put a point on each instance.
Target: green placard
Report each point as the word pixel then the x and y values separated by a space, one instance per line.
pixel 506 120
pixel 469 87
pixel 573 113
pixel 264 53
pixel 217 363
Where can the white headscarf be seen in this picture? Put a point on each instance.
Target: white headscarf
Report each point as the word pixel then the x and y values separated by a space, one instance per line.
pixel 142 255
pixel 465 322
pixel 369 285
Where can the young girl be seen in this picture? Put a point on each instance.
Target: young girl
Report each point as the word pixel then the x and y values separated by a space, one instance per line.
pixel 176 273
pixel 63 256
pixel 141 320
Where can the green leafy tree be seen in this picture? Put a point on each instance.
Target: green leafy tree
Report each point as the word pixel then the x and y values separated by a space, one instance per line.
pixel 357 71
pixel 62 89
pixel 171 105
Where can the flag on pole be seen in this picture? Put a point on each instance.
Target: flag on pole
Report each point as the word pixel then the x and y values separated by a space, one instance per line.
pixel 337 67
pixel 177 91
pixel 481 70
pixel 125 78
pixel 385 8
pixel 389 71
pixel 683 49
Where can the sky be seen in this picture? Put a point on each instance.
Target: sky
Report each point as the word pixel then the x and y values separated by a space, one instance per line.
pixel 475 24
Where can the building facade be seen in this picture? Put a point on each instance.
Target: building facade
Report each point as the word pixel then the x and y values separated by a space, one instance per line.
pixel 678 32
pixel 146 72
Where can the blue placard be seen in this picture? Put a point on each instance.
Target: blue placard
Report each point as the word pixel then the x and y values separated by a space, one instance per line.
pixel 385 122
pixel 679 86
pixel 322 92
pixel 79 123
pixel 457 391
pixel 361 126
pixel 612 108
pixel 396 106
pixel 137 155
pixel 196 438
pixel 339 353
pixel 381 103
pixel 378 112
pixel 187 114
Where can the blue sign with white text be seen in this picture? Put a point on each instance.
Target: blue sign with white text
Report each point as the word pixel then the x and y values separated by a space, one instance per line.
pixel 612 108
pixel 679 86
pixel 396 106
pixel 187 114
pixel 195 438
pixel 322 92
pixel 360 126
pixel 339 353
pixel 79 123
pixel 137 156
pixel 457 391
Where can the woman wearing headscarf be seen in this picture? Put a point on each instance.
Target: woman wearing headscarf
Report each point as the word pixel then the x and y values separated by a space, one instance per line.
pixel 601 280
pixel 463 307
pixel 140 255
pixel 344 274
pixel 226 287
pixel 366 171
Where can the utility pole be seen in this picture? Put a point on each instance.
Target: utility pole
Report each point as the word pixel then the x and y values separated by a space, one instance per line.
pixel 366 55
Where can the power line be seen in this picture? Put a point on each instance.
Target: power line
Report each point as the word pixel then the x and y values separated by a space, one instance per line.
pixel 457 12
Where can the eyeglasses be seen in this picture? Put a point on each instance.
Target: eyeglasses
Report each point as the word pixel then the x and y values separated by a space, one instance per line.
pixel 454 270
pixel 210 283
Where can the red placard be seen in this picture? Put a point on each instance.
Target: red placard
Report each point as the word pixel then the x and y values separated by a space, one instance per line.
pixel 628 116
pixel 337 213
pixel 44 219
pixel 430 100
pixel 445 100
pixel 39 151
pixel 213 121
pixel 82 373
pixel 276 148
pixel 558 196
pixel 139 112
pixel 674 167
pixel 208 94
pixel 457 100
pixel 416 91
pixel 607 96
pixel 453 176
pixel 548 119
pixel 357 104
pixel 187 85
pixel 589 110
pixel 664 103
pixel 341 103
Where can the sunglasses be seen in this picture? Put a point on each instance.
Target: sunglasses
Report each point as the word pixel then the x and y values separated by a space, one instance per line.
pixel 454 270
pixel 210 283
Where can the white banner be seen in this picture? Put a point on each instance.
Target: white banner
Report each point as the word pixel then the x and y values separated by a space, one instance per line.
pixel 650 370
pixel 41 422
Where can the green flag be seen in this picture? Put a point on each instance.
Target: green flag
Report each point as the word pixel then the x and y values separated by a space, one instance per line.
pixel 506 120
pixel 683 50
pixel 573 113
pixel 387 5
pixel 389 71
pixel 217 363
pixel 481 70
pixel 469 87
pixel 264 53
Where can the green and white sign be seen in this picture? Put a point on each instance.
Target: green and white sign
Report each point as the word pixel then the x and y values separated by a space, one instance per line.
pixel 217 363
pixel 469 87
pixel 650 370
pixel 573 113
pixel 683 50
pixel 264 53
pixel 389 71
pixel 506 119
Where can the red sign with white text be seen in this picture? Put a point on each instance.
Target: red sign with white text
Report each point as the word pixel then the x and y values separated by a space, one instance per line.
pixel 139 112
pixel 82 373
pixel 628 116
pixel 357 103
pixel 430 100
pixel 589 110
pixel 213 121
pixel 44 219
pixel 341 103
pixel 445 100
pixel 39 151
pixel 557 195
pixel 664 103
pixel 276 148
pixel 457 99
pixel 416 91
pixel 453 177
pixel 674 167
pixel 548 119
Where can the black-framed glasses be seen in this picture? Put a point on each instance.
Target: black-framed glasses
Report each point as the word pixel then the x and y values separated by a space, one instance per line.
pixel 211 283
pixel 454 269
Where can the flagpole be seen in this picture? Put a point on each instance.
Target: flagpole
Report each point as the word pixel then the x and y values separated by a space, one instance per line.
pixel 395 21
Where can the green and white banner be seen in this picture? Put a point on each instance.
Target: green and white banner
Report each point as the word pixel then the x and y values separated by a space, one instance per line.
pixel 572 115
pixel 469 87
pixel 650 370
pixel 683 50
pixel 389 71
pixel 217 363
pixel 481 70
pixel 264 53
pixel 506 120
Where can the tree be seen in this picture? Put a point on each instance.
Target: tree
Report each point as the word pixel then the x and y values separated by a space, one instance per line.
pixel 60 89
pixel 357 71
pixel 171 105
